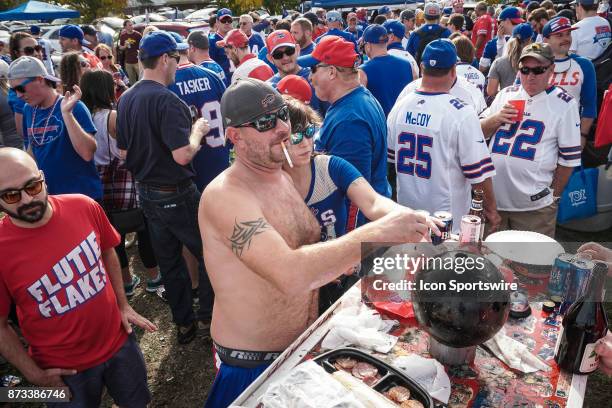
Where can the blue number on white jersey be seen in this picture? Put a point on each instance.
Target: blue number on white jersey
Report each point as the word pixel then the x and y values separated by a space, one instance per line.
pixel 413 154
pixel 533 131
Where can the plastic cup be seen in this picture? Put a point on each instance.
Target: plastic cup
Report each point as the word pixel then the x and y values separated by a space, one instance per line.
pixel 519 105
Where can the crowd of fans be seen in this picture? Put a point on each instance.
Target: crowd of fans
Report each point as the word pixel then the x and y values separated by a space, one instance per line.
pixel 253 160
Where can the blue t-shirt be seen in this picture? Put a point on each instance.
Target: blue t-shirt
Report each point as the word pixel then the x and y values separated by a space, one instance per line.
pixel 356 130
pixel 15 102
pixel 216 68
pixel 357 35
pixel 201 89
pixel 387 77
pixel 327 195
pixel 413 42
pixel 218 54
pixel 256 43
pixel 315 103
pixel 263 56
pixel 65 171
pixel 307 50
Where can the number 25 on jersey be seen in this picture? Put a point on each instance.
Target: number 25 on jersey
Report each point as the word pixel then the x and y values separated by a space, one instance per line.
pixel 413 157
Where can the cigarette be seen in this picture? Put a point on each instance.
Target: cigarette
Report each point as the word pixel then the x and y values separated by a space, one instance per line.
pixel 287 155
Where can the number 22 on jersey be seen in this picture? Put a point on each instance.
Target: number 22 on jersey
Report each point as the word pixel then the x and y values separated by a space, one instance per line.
pixel 518 139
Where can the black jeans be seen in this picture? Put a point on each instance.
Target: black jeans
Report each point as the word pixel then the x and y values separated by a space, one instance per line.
pixel 173 222
pixel 145 249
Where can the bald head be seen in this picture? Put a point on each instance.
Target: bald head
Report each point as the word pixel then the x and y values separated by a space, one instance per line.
pixel 16 167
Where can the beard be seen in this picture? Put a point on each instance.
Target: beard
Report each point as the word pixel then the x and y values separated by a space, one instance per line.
pixel 30 213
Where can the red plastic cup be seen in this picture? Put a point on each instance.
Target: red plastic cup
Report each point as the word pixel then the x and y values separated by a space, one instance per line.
pixel 519 105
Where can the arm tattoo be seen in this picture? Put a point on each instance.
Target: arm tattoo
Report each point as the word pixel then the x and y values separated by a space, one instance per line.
pixel 244 232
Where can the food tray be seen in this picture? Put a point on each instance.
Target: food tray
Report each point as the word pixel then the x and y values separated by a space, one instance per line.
pixel 390 376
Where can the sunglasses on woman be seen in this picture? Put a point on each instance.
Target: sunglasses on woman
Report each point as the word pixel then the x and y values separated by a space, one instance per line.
pixel 104 57
pixel 288 51
pixel 267 121
pixel 297 137
pixel 31 50
pixel 534 70
pixel 32 188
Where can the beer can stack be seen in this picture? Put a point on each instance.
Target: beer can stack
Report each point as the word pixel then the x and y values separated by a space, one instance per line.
pixel 568 279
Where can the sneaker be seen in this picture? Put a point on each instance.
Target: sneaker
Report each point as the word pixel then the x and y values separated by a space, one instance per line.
pixel 129 289
pixel 153 285
pixel 186 334
pixel 161 293
pixel 195 297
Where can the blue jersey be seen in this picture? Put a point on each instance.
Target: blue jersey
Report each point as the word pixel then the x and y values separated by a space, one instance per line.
pixel 65 171
pixel 216 68
pixel 413 42
pixel 263 56
pixel 339 33
pixel 357 34
pixel 356 130
pixel 315 103
pixel 201 90
pixel 307 50
pixel 327 195
pixel 379 70
pixel 218 54
pixel 256 43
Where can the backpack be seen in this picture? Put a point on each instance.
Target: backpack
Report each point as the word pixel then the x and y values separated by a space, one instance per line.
pixel 603 73
pixel 424 39
pixel 593 154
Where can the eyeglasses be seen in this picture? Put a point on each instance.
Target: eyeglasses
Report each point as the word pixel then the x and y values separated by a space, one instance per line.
pixel 176 57
pixel 534 70
pixel 244 23
pixel 278 54
pixel 267 121
pixel 314 68
pixel 308 133
pixel 104 57
pixel 33 188
pixel 21 87
pixel 31 50
pixel 226 21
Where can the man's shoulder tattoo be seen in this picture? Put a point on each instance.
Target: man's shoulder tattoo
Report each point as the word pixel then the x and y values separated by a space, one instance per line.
pixel 244 232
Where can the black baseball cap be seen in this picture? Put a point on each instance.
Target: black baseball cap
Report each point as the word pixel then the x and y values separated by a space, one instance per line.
pixel 261 97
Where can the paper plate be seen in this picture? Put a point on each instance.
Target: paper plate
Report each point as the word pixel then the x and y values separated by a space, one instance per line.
pixel 526 247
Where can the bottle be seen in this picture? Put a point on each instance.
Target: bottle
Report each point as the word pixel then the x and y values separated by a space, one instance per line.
pixel 584 323
pixel 477 209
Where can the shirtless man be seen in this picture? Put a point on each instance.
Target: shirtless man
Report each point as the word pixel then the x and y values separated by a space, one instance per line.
pixel 260 243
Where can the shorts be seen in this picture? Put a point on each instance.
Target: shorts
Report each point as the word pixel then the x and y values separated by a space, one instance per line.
pixel 124 375
pixel 230 382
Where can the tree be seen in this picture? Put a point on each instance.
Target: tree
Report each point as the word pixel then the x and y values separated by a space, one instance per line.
pixel 92 9
pixel 8 4
pixel 239 7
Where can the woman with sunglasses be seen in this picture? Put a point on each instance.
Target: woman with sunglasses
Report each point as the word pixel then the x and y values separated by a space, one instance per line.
pixel 327 183
pixel 105 55
pixel 72 67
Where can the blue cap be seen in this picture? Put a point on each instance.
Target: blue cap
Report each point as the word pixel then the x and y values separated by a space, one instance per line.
pixel 511 13
pixel 333 16
pixel 155 44
pixel 224 12
pixel 522 31
pixel 447 11
pixel 384 10
pixel 395 27
pixel 439 54
pixel 35 29
pixel 375 34
pixel 181 45
pixel 71 31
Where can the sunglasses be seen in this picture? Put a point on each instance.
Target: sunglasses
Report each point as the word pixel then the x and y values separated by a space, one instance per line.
pixel 244 23
pixel 308 133
pixel 176 57
pixel 278 54
pixel 21 87
pixel 226 21
pixel 33 188
pixel 534 71
pixel 267 121
pixel 104 57
pixel 31 50
pixel 314 68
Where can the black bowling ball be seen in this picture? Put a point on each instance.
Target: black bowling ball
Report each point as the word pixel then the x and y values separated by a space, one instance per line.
pixel 460 319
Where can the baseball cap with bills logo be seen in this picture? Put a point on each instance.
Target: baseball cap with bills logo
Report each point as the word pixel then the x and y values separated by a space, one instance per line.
pixel 395 27
pixel 28 67
pixel 295 86
pixel 279 38
pixel 375 34
pixel 156 43
pixel 557 25
pixel 235 38
pixel 440 54
pixel 511 13
pixel 333 16
pixel 224 12
pixel 261 97
pixel 332 50
pixel 432 10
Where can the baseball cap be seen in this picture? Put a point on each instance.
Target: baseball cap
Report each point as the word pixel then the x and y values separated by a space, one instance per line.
pixel 72 31
pixel 34 29
pixel 432 10
pixel 223 12
pixel 395 27
pixel 261 96
pixel 181 45
pixel 199 40
pixel 522 31
pixel 333 16
pixel 557 25
pixel 407 15
pixel 28 67
pixel 295 86
pixel 279 38
pixel 439 54
pixel 375 34
pixel 332 50
pixel 540 51
pixel 156 43
pixel 384 10
pixel 235 38
pixel 511 13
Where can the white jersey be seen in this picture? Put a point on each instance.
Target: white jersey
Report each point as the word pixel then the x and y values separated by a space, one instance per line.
pixel 471 74
pixel 576 75
pixel 526 153
pixel 591 38
pixel 407 56
pixel 461 89
pixel 437 146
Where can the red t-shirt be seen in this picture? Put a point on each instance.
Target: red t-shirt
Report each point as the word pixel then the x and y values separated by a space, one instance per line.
pixel 485 25
pixel 55 276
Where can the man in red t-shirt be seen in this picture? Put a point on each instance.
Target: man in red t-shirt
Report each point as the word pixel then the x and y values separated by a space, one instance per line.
pixel 60 269
pixel 483 30
pixel 129 41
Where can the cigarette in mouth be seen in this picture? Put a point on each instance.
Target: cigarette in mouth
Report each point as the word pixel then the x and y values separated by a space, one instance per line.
pixel 287 155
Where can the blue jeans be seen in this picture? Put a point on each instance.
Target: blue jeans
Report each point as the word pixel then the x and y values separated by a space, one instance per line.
pixel 173 222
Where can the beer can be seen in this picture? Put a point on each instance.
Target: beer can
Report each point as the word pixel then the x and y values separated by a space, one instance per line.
pixel 470 229
pixel 447 218
pixel 577 281
pixel 562 267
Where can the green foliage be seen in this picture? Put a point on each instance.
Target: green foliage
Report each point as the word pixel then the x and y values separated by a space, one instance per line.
pixel 92 9
pixel 239 7
pixel 8 4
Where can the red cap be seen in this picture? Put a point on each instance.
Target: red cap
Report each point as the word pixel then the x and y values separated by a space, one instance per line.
pixel 235 38
pixel 279 38
pixel 296 86
pixel 332 50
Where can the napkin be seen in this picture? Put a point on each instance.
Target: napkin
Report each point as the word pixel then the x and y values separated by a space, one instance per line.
pixel 515 354
pixel 428 372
